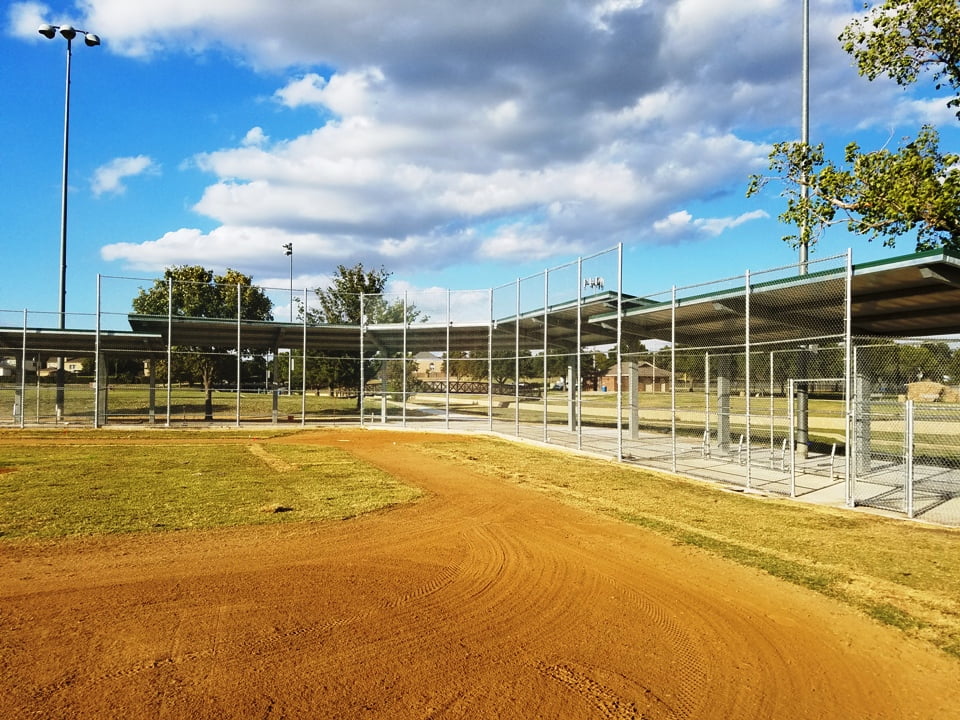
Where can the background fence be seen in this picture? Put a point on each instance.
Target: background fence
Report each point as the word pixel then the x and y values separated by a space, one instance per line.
pixel 754 381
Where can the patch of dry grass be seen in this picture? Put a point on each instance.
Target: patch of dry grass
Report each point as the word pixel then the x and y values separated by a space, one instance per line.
pixel 94 483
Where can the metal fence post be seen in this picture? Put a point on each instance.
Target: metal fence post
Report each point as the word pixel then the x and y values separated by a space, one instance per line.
pixel 362 388
pixel 908 457
pixel 546 324
pixel 791 421
pixel 490 325
pixel 23 372
pixel 239 353
pixel 96 362
pixel 303 366
pixel 673 378
pixel 772 426
pixel 706 403
pixel 446 365
pixel 574 389
pixel 619 349
pixel 169 349
pixel 850 467
pixel 516 378
pixel 746 371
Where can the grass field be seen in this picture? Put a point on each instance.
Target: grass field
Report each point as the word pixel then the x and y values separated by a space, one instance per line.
pixel 129 404
pixel 55 484
pixel 176 481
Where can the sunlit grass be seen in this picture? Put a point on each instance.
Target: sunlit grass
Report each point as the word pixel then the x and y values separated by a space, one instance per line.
pixel 98 486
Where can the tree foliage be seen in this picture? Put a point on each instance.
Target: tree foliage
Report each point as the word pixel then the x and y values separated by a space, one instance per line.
pixel 195 292
pixel 906 39
pixel 355 296
pixel 883 194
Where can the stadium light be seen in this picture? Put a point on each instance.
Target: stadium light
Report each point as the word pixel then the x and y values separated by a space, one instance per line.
pixel 68 33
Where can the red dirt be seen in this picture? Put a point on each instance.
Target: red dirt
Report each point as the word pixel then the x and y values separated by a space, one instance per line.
pixel 483 600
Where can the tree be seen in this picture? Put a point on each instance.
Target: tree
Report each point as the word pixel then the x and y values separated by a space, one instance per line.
pixel 880 194
pixel 504 366
pixel 883 194
pixel 458 364
pixel 905 39
pixel 341 304
pixel 195 292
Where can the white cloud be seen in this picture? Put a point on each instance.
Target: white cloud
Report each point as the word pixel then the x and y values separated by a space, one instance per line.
pixel 932 111
pixel 608 8
pixel 521 242
pixel 26 17
pixel 109 178
pixel 344 93
pixel 683 224
pixel 255 137
pixel 674 224
pixel 509 130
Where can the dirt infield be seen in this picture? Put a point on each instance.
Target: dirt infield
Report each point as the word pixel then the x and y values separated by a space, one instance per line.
pixel 482 600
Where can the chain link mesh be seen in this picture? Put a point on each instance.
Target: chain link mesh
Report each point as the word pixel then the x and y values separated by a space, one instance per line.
pixel 752 380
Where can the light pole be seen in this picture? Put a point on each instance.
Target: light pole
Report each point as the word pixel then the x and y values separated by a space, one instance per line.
pixel 805 129
pixel 803 421
pixel 288 251
pixel 68 33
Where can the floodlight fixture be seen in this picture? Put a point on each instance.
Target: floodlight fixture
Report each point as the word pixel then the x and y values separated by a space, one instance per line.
pixel 68 33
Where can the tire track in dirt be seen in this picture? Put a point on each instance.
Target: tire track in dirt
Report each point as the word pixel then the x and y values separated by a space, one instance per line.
pixel 481 600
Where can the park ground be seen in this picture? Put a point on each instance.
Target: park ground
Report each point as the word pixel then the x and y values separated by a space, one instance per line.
pixel 485 592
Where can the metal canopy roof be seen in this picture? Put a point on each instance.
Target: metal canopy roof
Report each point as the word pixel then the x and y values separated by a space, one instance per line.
pixel 388 338
pixel 75 342
pixel 909 296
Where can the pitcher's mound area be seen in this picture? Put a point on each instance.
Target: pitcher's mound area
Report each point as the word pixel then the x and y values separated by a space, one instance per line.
pixel 482 600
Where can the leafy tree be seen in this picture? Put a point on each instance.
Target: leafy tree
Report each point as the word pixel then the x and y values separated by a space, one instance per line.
pixel 905 39
pixel 458 364
pixel 340 304
pixel 883 194
pixel 197 293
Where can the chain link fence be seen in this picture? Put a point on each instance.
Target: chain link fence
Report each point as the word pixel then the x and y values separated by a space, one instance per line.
pixel 755 381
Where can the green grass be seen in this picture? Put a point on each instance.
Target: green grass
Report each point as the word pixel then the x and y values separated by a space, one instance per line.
pixel 58 490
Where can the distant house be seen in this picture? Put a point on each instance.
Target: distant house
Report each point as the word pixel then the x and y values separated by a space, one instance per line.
pixel 71 365
pixel 8 366
pixel 428 365
pixel 650 378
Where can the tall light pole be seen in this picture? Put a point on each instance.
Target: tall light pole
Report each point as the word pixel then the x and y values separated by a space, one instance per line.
pixel 803 417
pixel 68 33
pixel 805 130
pixel 288 251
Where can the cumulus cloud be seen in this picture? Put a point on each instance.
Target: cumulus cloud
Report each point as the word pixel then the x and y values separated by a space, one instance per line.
pixel 683 224
pixel 509 129
pixel 109 178
pixel 343 94
pixel 255 137
pixel 26 17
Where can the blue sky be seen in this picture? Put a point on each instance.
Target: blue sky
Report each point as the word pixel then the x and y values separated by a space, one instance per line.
pixel 459 145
